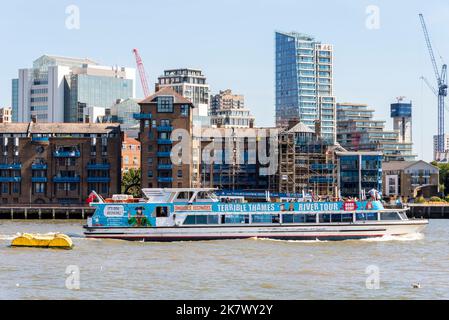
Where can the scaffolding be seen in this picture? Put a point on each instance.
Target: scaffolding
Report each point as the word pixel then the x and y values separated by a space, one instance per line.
pixel 306 165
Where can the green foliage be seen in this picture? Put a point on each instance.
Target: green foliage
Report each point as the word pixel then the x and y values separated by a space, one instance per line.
pixel 444 175
pixel 420 200
pixel 131 183
pixel 435 199
pixel 446 199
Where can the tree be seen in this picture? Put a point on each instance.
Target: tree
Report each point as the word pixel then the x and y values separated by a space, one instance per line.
pixel 444 175
pixel 131 183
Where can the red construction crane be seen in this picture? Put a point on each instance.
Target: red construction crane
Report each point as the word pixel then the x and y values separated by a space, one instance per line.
pixel 143 77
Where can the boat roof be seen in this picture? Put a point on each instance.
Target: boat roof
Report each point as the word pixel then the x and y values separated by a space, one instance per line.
pixel 163 195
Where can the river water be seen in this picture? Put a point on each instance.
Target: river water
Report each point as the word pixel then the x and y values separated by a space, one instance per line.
pixel 241 269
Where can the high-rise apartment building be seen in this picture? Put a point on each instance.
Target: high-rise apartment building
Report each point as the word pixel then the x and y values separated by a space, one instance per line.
pixel 228 111
pixel 192 85
pixel 15 99
pixel 357 130
pixel 401 112
pixel 304 83
pixel 441 156
pixel 57 89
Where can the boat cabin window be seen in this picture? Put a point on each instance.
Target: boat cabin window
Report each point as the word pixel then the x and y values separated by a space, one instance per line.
pixel 204 196
pixel 201 219
pixel 299 218
pixel 390 216
pixel 266 218
pixel 325 218
pixel 366 216
pixel 162 212
pixel 235 219
pixel 184 197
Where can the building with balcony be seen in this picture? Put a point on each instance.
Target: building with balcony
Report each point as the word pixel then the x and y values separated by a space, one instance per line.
pixel 166 123
pixel 409 179
pixel 58 164
pixel 304 83
pixel 228 111
pixel 357 130
pixel 358 173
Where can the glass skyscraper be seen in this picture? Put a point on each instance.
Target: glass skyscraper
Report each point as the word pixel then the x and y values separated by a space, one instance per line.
pixel 15 100
pixel 304 83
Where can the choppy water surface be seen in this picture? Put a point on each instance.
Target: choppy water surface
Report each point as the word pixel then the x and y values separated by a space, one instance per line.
pixel 242 269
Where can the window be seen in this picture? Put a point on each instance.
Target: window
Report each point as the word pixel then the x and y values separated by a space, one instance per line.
pixel 235 219
pixel 389 216
pixel 39 188
pixel 165 104
pixel 162 212
pixel 184 110
pixel 165 123
pixel 265 218
pixel 293 218
pixel 201 219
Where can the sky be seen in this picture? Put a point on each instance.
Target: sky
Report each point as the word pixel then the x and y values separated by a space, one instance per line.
pixel 233 43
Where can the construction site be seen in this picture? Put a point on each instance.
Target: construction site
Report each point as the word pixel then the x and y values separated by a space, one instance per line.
pixel 307 164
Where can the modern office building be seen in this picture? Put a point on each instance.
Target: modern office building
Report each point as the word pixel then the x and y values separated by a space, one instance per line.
pixel 6 115
pixel 96 86
pixel 58 89
pixel 304 83
pixel 41 90
pixel 359 173
pixel 192 85
pixel 228 111
pixel 163 165
pixel 357 130
pixel 123 112
pixel 58 164
pixel 410 179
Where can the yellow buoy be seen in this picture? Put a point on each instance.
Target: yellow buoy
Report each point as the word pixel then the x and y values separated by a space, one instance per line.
pixel 53 240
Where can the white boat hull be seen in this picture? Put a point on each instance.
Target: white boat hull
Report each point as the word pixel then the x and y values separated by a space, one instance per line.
pixel 336 231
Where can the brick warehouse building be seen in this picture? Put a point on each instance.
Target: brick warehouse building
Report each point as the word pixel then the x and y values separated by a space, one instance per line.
pixel 160 115
pixel 58 164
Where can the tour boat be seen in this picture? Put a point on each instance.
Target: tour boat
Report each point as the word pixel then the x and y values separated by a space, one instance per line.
pixel 198 214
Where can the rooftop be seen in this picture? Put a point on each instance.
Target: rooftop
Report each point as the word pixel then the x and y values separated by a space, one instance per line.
pixel 58 128
pixel 164 92
pixel 401 165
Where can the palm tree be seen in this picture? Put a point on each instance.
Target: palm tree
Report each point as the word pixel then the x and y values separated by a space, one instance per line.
pixel 131 183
